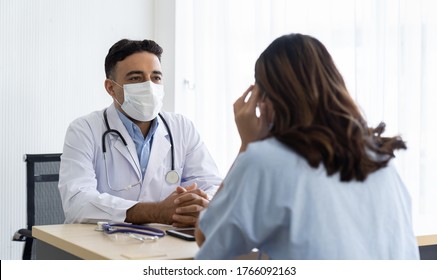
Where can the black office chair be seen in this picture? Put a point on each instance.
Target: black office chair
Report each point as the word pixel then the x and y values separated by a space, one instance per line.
pixel 44 206
pixel 428 252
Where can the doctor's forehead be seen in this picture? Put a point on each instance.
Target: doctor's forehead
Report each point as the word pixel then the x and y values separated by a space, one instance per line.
pixel 145 62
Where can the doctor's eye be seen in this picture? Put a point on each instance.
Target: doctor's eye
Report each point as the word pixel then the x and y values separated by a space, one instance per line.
pixel 135 79
pixel 156 79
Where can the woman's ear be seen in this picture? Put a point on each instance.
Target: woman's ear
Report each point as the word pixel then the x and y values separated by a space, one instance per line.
pixel 269 110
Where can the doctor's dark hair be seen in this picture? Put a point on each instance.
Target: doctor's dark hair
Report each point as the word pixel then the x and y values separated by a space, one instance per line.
pixel 315 115
pixel 124 48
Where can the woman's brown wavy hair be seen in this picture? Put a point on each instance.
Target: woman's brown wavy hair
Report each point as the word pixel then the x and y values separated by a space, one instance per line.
pixel 314 113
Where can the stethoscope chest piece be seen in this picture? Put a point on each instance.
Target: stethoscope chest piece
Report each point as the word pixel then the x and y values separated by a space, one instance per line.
pixel 172 177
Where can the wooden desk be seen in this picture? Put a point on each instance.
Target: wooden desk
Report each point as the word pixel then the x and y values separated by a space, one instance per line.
pixel 427 246
pixel 427 240
pixel 83 241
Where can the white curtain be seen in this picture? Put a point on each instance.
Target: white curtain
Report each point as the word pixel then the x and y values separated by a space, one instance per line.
pixel 385 49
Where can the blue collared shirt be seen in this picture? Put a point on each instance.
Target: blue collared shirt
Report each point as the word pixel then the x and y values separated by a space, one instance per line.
pixel 142 145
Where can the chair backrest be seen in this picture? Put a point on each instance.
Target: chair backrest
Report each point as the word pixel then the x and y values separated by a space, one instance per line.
pixel 44 206
pixel 428 252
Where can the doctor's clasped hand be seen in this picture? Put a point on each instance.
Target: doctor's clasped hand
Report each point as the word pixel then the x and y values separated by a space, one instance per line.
pixel 180 209
pixel 190 202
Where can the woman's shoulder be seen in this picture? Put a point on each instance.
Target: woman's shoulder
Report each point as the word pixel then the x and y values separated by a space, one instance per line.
pixel 266 146
pixel 270 151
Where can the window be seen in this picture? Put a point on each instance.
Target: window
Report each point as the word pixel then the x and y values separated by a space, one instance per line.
pixel 384 49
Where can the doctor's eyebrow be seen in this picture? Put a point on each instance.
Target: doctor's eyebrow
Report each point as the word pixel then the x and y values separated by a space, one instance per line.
pixel 138 72
pixel 156 72
pixel 135 72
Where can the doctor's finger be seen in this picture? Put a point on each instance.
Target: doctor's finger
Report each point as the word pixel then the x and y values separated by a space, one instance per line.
pixel 180 190
pixel 184 197
pixel 191 187
pixel 189 199
pixel 184 219
pixel 180 225
pixel 190 209
pixel 200 192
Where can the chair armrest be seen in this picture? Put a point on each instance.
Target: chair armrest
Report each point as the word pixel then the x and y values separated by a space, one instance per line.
pixel 22 235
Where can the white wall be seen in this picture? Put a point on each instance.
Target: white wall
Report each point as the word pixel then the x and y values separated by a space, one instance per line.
pixel 52 71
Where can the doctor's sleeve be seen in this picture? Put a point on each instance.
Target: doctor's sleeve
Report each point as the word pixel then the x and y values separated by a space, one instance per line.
pixel 81 201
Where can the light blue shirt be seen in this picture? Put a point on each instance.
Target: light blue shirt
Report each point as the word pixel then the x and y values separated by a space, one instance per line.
pixel 143 145
pixel 274 201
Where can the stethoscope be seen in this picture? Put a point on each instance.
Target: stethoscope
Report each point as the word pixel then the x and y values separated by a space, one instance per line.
pixel 137 231
pixel 172 177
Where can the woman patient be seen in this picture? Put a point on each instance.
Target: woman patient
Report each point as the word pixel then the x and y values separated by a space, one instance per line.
pixel 312 179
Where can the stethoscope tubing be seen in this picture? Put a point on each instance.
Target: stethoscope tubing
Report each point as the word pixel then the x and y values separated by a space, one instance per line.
pixel 109 131
pixel 129 228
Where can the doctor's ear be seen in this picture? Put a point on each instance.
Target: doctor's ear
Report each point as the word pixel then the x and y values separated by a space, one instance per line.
pixel 109 86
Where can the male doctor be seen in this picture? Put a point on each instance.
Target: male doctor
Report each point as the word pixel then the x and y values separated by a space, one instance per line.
pixel 127 163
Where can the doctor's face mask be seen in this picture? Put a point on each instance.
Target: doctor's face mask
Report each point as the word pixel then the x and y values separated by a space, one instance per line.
pixel 142 101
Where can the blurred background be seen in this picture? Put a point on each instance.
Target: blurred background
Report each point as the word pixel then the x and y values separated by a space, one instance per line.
pixel 52 71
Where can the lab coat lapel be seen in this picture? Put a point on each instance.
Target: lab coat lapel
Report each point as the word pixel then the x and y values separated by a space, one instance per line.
pixel 160 149
pixel 130 153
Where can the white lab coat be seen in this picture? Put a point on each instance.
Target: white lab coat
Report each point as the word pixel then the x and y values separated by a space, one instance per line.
pixel 85 194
